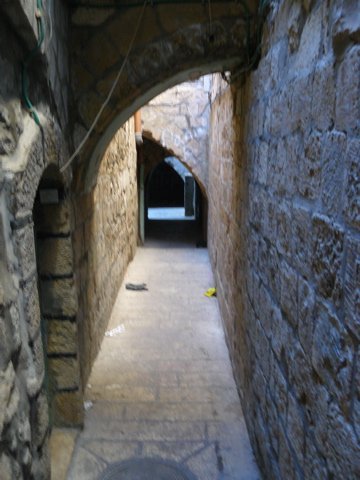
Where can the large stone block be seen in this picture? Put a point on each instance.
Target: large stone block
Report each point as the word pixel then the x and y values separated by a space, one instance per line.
pixel 5 342
pixel 327 257
pixel 13 405
pixel 295 429
pixel 310 166
pixel 306 313
pixel 67 409
pixel 87 16
pixel 55 256
pixel 5 467
pixel 342 447
pixel 38 356
pixel 52 218
pixel 266 303
pixel 352 183
pixel 332 354
pixel 289 293
pixel 32 307
pixel 262 348
pixel 314 464
pixel 274 266
pixel 64 373
pixel 323 106
pixel 301 240
pixel 352 287
pixel 273 423
pixel 284 228
pixel 292 164
pixel 310 42
pixel 7 381
pixel 13 319
pixel 280 332
pixel 99 60
pixel 286 464
pixel 301 377
pixel 345 23
pixel 332 172
pixel 348 92
pixel 25 249
pixel 42 425
pixel 58 297
pixel 61 337
pixel 270 221
pixel 301 102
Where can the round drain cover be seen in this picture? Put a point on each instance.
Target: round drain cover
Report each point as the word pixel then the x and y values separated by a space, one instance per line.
pixel 146 469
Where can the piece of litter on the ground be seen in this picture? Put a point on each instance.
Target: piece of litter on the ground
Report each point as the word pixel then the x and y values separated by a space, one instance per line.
pixel 211 292
pixel 134 286
pixel 87 405
pixel 115 331
pixel 89 386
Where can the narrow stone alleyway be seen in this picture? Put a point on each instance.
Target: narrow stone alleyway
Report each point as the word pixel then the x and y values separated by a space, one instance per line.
pixel 162 387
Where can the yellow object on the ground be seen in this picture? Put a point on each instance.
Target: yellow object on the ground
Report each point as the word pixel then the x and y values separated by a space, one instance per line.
pixel 211 292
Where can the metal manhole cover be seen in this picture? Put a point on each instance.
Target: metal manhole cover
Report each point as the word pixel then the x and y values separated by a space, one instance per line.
pixel 146 469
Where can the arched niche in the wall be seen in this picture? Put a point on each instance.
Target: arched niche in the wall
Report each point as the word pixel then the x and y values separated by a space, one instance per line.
pixel 45 294
pixel 58 299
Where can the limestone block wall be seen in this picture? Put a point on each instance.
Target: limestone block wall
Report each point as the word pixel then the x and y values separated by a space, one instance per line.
pixel 285 239
pixel 24 413
pixel 178 119
pixel 105 239
pixel 26 151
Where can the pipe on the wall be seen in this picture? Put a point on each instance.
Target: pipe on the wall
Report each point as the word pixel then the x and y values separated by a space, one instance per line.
pixel 138 129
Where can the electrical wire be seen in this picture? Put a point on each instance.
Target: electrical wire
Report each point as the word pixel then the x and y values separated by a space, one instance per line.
pixel 39 16
pixel 64 167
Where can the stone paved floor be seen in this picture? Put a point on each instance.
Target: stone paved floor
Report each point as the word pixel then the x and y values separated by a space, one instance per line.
pixel 163 388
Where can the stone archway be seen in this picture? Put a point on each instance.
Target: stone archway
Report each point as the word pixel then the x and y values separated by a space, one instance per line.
pixel 178 120
pixel 180 42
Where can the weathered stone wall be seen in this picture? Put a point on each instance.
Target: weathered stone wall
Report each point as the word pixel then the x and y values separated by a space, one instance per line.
pixel 178 119
pixel 26 151
pixel 285 239
pixel 24 414
pixel 105 239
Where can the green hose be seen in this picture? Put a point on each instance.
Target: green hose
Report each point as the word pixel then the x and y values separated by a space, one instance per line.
pixel 28 60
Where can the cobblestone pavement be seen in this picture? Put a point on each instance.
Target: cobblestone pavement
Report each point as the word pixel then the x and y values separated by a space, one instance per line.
pixel 162 385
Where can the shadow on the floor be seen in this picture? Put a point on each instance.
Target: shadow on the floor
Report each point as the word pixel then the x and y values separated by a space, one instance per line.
pixel 172 234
